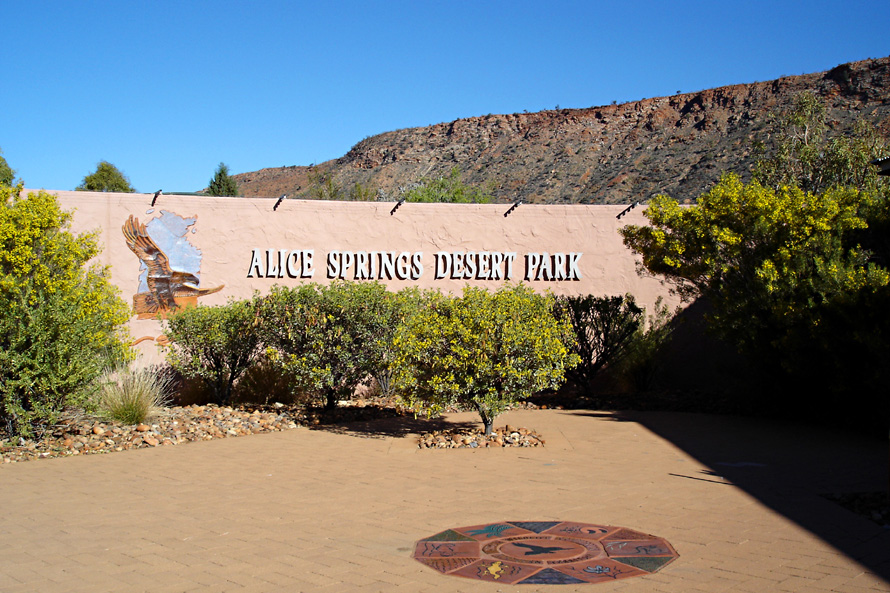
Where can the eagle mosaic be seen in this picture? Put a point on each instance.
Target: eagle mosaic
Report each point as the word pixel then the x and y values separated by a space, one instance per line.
pixel 169 272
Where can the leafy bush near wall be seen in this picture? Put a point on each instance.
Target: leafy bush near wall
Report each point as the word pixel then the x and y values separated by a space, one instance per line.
pixel 394 308
pixel 644 356
pixel 60 321
pixel 329 339
pixel 215 344
pixel 604 328
pixel 482 350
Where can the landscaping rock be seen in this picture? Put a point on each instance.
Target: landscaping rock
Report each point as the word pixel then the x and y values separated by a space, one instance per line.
pixel 80 434
pixel 506 436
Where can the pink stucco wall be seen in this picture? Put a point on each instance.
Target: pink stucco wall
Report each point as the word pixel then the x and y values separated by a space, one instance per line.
pixel 228 230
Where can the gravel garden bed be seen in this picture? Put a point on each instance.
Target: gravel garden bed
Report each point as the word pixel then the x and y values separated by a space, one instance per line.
pixel 83 434
pixel 505 436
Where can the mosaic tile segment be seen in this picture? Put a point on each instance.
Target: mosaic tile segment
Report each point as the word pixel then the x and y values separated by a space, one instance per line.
pixel 449 535
pixel 496 571
pixel 544 552
pixel 439 549
pixel 536 526
pixel 446 565
pixel 548 576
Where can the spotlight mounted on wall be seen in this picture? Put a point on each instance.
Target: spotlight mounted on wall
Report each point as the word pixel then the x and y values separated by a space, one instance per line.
pixel 628 209
pixel 883 165
pixel 278 203
pixel 396 207
pixel 155 198
pixel 513 207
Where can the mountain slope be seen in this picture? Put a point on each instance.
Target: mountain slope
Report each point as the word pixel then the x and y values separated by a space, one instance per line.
pixel 676 145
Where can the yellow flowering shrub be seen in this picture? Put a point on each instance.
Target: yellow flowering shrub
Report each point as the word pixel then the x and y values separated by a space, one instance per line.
pixel 765 258
pixel 60 319
pixel 482 350
pixel 797 280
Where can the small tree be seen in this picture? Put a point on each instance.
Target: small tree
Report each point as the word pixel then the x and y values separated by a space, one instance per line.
pixel 483 350
pixel 6 172
pixel 799 151
pixel 60 321
pixel 765 259
pixel 215 344
pixel 448 189
pixel 327 338
pixel 604 327
pixel 323 186
pixel 107 177
pixel 222 184
pixel 789 284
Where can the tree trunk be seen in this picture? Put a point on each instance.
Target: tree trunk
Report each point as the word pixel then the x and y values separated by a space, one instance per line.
pixel 330 400
pixel 488 424
pixel 487 419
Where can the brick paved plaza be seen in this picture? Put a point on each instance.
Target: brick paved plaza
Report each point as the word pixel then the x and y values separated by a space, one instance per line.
pixel 341 510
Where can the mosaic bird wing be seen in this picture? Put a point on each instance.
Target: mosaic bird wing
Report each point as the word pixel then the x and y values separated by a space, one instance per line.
pixel 155 260
pixel 187 285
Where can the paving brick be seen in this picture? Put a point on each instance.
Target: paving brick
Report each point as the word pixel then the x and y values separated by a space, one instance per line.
pixel 312 510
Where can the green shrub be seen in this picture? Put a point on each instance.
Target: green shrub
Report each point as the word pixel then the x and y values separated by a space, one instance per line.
pixel 644 356
pixel 604 328
pixel 215 344
pixel 60 321
pixel 131 396
pixel 482 350
pixel 264 383
pixel 392 309
pixel 329 339
pixel 448 189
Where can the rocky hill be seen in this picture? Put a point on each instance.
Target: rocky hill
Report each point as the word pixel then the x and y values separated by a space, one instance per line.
pixel 676 145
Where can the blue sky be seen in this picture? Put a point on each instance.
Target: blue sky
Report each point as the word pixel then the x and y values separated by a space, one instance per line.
pixel 168 90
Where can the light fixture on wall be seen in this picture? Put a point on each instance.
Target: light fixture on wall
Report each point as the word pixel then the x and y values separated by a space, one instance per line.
pixel 396 207
pixel 628 209
pixel 883 165
pixel 155 198
pixel 513 207
pixel 278 203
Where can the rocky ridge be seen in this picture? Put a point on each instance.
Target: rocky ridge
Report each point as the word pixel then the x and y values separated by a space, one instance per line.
pixel 678 145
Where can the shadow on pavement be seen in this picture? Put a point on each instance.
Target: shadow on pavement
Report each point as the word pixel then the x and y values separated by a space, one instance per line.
pixel 789 468
pixel 397 427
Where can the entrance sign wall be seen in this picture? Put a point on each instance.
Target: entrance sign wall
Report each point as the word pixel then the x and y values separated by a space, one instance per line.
pixel 190 249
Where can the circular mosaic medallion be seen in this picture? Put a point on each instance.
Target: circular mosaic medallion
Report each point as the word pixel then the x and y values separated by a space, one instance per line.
pixel 544 552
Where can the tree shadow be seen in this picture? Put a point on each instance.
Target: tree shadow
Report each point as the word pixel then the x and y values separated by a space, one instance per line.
pixel 790 468
pixel 393 427
pixel 613 416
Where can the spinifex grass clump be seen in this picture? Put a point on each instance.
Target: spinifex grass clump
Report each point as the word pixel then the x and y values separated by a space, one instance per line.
pixel 132 396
